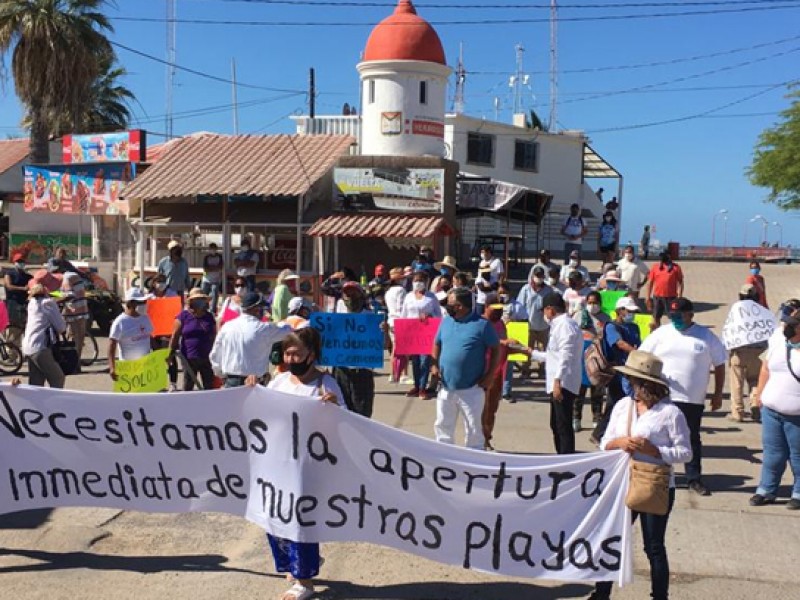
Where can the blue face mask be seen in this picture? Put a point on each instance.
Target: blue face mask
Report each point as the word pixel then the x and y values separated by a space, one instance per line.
pixel 755 271
pixel 793 345
pixel 629 317
pixel 611 285
pixel 678 322
pixel 446 271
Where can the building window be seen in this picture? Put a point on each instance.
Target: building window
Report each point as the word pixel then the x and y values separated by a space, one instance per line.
pixel 423 92
pixel 372 91
pixel 480 149
pixel 526 155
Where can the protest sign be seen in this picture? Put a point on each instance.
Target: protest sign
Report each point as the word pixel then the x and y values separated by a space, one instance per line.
pixel 350 339
pixel 747 323
pixel 228 315
pixel 162 312
pixel 414 336
pixel 518 331
pixel 145 375
pixel 4 321
pixel 312 472
pixel 643 322
pixel 608 300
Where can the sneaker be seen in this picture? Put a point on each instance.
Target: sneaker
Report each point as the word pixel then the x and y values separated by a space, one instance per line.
pixel 761 500
pixel 793 504
pixel 576 425
pixel 488 447
pixel 392 379
pixel 405 380
pixel 595 422
pixel 510 399
pixel 172 388
pixel 755 414
pixel 735 418
pixel 699 488
pixel 413 392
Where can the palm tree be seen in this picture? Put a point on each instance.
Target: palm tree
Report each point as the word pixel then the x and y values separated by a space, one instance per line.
pixel 57 49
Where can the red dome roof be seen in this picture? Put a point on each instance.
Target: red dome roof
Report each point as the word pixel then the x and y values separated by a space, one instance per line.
pixel 404 36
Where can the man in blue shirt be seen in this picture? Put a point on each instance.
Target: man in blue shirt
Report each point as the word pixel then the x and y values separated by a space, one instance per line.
pixel 460 361
pixel 175 269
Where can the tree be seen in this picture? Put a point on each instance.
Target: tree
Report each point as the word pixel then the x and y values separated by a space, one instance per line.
pixel 776 161
pixel 57 49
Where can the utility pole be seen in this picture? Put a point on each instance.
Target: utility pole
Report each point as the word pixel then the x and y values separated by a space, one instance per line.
pixel 235 101
pixel 171 53
pixel 553 122
pixel 312 93
pixel 518 80
pixel 461 78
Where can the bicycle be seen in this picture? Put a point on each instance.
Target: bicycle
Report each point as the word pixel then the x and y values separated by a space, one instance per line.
pixel 90 350
pixel 10 358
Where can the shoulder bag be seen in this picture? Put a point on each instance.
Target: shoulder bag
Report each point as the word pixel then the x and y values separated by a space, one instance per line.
pixel 648 489
pixel 65 354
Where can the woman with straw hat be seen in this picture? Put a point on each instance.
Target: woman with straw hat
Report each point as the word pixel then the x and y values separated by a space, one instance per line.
pixel 650 428
pixel 193 333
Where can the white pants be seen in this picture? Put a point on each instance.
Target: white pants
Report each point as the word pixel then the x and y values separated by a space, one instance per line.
pixel 470 403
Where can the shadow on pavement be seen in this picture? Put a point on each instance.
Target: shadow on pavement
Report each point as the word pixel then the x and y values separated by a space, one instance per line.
pixel 441 590
pixel 730 483
pixel 56 561
pixel 25 519
pixel 701 307
pixel 734 452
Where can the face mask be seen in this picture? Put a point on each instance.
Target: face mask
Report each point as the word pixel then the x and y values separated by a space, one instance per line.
pixel 451 310
pixel 503 298
pixel 594 309
pixel 755 271
pixel 678 322
pixel 573 263
pixel 547 319
pixel 495 316
pixel 789 331
pixel 538 280
pixel 419 286
pixel 611 285
pixel 161 286
pixel 628 257
pixel 240 290
pixel 299 369
pixel 20 265
pixel 446 287
pixel 484 256
pixel 553 281
pixel 141 309
pixel 446 271
pixel 198 304
pixel 607 219
pixel 353 304
pixel 177 253
pixel 629 317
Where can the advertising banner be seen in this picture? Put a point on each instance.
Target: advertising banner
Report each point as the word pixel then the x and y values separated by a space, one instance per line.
pixel 119 146
pixel 401 190
pixel 313 472
pixel 77 189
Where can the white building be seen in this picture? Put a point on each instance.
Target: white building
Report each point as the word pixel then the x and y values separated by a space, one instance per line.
pixel 403 77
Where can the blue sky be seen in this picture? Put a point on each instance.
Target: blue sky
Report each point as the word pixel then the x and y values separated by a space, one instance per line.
pixel 677 175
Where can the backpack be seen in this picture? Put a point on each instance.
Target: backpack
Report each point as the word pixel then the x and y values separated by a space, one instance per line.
pixel 598 369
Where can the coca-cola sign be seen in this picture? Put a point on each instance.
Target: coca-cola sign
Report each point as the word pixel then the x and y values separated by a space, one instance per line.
pixel 283 255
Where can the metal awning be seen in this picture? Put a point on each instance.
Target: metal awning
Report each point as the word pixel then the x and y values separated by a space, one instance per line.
pixel 479 196
pixel 595 166
pixel 380 226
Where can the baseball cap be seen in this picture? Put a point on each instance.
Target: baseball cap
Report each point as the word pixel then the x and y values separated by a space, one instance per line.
pixel 681 305
pixel 539 271
pixel 297 303
pixel 748 289
pixel 17 256
pixel 136 294
pixel 380 270
pixel 251 300
pixel 787 308
pixel 627 303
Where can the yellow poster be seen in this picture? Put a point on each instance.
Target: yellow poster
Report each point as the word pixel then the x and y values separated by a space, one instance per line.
pixel 144 375
pixel 518 330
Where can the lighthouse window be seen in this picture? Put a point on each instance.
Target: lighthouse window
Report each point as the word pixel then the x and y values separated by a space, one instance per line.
pixel 423 92
pixel 526 154
pixel 480 149
pixel 372 91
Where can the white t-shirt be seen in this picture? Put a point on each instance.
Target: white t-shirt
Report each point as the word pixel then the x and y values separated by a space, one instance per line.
pixel 248 255
pixel 633 272
pixel 688 358
pixel 496 266
pixel 413 307
pixel 574 226
pixel 782 392
pixel 132 335
pixel 316 388
pixel 394 301
pixel 576 299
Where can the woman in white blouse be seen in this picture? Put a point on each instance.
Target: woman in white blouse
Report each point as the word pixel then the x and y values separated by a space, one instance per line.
pixel 394 305
pixel 420 304
pixel 657 434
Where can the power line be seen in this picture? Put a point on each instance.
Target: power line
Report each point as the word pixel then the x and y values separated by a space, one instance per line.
pixel 209 110
pixel 252 23
pixel 526 6
pixel 202 73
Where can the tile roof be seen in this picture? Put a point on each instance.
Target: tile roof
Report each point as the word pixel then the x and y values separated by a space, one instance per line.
pixel 244 165
pixel 12 152
pixel 380 226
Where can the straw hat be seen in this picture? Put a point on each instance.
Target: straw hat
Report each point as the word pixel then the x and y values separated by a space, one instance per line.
pixel 37 289
pixel 174 244
pixel 396 274
pixel 447 261
pixel 643 365
pixel 197 293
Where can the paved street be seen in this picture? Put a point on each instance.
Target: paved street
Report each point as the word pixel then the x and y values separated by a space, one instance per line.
pixel 719 546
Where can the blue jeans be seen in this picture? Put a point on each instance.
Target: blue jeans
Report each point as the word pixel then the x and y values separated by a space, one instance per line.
pixel 654 529
pixel 508 379
pixel 420 369
pixel 212 289
pixel 780 436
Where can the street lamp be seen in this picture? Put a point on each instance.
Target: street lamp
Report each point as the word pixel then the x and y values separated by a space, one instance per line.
pixel 780 233
pixel 764 221
pixel 722 212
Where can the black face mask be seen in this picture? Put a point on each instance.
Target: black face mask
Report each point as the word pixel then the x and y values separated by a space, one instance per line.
pixel 299 369
pixel 789 331
pixel 451 310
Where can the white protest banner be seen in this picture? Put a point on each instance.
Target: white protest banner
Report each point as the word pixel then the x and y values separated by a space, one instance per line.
pixel 314 472
pixel 748 323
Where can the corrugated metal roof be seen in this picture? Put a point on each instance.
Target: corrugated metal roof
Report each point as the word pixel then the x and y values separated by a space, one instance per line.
pixel 12 152
pixel 244 165
pixel 380 226
pixel 596 166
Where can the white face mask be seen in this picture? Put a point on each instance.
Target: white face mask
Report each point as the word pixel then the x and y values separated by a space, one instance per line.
pixel 538 280
pixel 20 265
pixel 161 286
pixel 629 257
pixel 553 281
pixel 629 317
pixel 419 286
pixel 484 256
pixel 240 290
pixel 594 309
pixel 141 309
pixel 547 319
pixel 573 263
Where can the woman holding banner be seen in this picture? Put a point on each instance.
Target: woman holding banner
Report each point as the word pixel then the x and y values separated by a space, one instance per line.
pixel 193 333
pixel 299 560
pixel 649 427
pixel 130 332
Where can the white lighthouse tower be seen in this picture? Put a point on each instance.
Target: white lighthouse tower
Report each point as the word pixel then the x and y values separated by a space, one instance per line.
pixel 404 83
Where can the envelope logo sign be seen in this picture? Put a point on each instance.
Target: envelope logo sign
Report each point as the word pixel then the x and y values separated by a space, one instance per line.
pixel 391 123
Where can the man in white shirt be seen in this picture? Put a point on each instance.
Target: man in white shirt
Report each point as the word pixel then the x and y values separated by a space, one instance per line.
pixel 490 270
pixel 574 264
pixel 632 270
pixel 544 262
pixel 241 349
pixel 562 359
pixel 689 352
pixel 574 229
